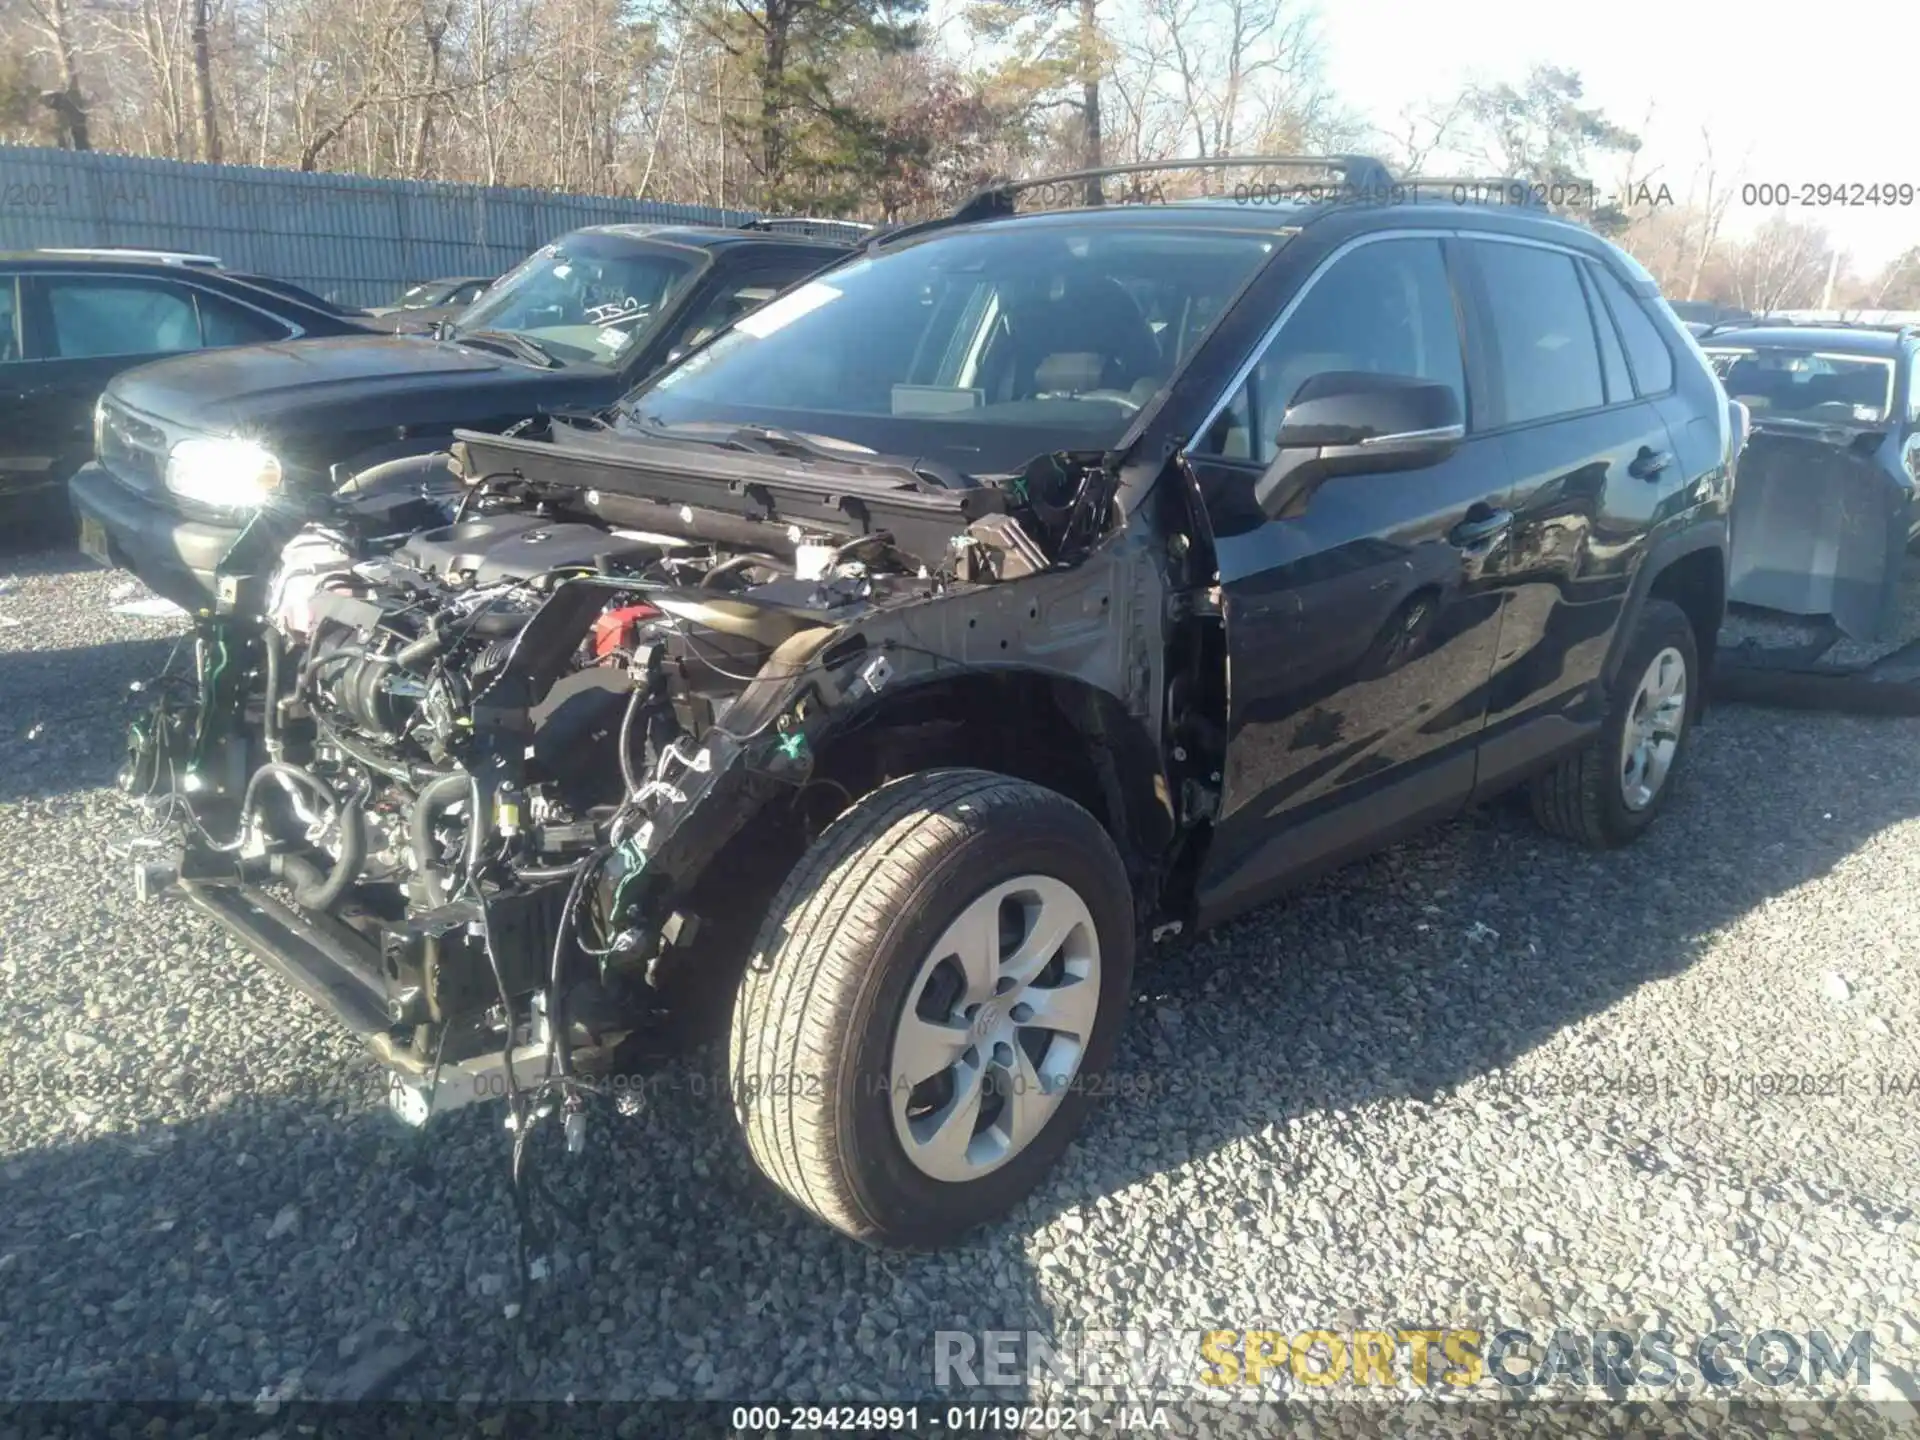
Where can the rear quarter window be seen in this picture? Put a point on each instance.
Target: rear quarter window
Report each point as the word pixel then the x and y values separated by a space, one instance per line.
pixel 222 322
pixel 1647 352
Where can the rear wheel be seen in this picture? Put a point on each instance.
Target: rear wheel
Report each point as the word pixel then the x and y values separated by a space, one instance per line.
pixel 1607 793
pixel 935 990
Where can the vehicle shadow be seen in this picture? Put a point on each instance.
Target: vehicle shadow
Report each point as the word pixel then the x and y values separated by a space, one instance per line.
pixel 244 1249
pixel 30 544
pixel 64 713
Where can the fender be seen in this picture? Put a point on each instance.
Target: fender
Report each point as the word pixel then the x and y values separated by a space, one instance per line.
pixel 1125 769
pixel 1704 531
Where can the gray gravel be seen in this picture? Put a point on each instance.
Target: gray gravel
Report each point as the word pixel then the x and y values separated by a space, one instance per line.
pixel 1347 1110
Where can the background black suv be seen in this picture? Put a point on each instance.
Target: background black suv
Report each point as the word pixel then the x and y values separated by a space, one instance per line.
pixel 572 328
pixel 70 322
pixel 1829 496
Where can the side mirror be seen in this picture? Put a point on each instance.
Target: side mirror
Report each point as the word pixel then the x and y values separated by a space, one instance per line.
pixel 1353 422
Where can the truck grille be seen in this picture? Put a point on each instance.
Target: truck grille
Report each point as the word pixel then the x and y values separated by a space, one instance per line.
pixel 134 450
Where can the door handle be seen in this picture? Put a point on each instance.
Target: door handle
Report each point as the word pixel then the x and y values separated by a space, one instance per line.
pixel 1649 463
pixel 1481 530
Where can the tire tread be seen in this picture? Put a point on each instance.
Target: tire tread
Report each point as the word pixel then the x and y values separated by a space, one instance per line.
pixel 804 973
pixel 1575 799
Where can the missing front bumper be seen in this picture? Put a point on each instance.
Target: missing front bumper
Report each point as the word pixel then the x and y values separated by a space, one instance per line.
pixel 340 970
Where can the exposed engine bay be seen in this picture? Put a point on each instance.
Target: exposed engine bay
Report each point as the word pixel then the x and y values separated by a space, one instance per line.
pixel 466 767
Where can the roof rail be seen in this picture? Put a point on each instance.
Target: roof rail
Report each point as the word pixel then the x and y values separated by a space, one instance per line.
pixel 1804 322
pixel 1361 173
pixel 1359 178
pixel 127 252
pixel 808 224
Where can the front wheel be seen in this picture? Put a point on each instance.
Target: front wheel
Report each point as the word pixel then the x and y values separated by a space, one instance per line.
pixel 931 1003
pixel 1607 793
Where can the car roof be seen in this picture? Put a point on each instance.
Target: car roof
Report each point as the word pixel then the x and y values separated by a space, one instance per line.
pixel 103 260
pixel 1354 213
pixel 714 237
pixel 1206 212
pixel 191 258
pixel 455 280
pixel 236 283
pixel 1859 339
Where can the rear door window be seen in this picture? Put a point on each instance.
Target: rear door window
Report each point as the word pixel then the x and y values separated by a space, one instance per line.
pixel 1613 360
pixel 104 315
pixel 1542 336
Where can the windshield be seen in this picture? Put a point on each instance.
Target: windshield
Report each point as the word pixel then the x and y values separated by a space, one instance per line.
pixel 585 297
pixel 981 348
pixel 1816 386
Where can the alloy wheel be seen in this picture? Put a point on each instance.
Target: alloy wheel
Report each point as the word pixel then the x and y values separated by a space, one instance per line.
pixel 994 1028
pixel 1652 735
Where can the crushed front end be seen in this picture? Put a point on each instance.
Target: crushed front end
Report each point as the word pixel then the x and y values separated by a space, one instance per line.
pixel 480 778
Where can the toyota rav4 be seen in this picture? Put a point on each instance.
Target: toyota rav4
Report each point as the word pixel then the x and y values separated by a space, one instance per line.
pixel 883 677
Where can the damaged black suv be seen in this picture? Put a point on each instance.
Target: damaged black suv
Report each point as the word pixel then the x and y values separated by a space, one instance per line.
pixel 886 674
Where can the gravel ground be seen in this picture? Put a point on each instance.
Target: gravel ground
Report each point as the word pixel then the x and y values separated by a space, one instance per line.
pixel 1464 1083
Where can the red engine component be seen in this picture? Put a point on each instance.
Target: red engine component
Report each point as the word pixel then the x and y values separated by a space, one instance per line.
pixel 615 629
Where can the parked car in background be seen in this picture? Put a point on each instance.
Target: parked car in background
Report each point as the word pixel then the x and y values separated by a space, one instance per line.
pixel 72 320
pixel 422 306
pixel 307 297
pixel 197 261
pixel 572 328
pixel 1700 316
pixel 1826 505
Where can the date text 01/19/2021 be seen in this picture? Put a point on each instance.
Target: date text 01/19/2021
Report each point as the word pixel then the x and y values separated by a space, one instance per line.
pixel 942 1419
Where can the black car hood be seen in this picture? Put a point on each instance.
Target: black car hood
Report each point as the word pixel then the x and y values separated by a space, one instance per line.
pixel 352 383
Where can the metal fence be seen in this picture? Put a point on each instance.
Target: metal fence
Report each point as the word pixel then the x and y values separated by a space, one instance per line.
pixel 352 239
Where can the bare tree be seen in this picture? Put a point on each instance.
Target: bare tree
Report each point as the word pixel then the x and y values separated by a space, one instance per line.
pixel 1718 194
pixel 1783 265
pixel 55 21
pixel 1898 285
pixel 1424 130
pixel 203 102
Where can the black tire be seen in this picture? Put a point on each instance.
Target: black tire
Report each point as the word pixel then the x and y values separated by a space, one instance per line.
pixel 829 977
pixel 1581 798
